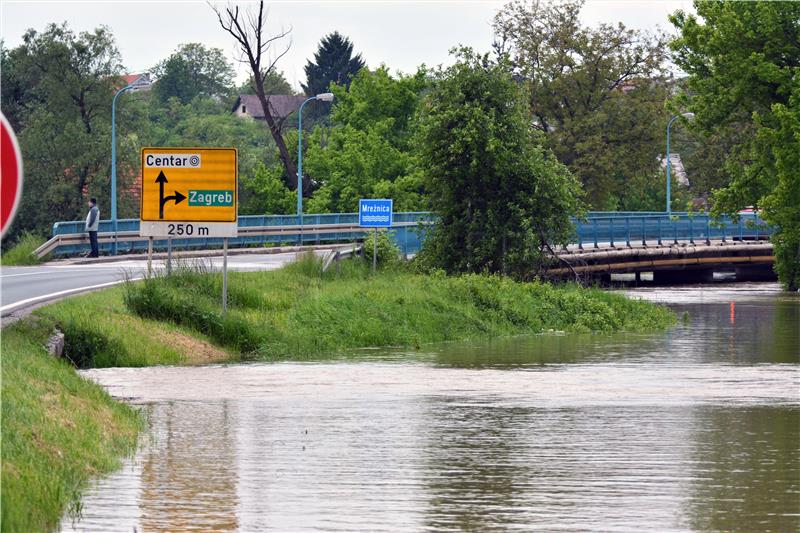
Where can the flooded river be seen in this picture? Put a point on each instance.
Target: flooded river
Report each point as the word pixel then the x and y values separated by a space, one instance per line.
pixel 697 428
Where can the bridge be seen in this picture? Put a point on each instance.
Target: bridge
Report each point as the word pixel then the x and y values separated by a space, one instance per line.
pixel 679 246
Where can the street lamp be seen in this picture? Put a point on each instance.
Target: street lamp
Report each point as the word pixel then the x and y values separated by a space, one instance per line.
pixel 686 115
pixel 141 83
pixel 324 97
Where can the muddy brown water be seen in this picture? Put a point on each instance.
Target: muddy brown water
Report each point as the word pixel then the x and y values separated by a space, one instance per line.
pixel 697 428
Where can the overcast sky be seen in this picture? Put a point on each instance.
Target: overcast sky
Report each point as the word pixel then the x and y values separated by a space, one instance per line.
pixel 402 35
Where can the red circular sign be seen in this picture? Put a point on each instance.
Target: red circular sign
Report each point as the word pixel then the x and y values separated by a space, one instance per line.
pixel 10 174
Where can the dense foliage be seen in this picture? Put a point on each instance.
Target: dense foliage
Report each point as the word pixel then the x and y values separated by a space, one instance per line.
pixel 743 61
pixel 500 195
pixel 334 62
pixel 57 89
pixel 367 151
pixel 597 94
pixel 191 71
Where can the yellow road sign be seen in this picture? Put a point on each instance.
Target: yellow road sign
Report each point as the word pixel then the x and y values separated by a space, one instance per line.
pixel 189 184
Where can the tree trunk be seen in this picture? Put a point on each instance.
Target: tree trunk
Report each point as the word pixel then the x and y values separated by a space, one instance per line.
pixel 275 130
pixel 255 46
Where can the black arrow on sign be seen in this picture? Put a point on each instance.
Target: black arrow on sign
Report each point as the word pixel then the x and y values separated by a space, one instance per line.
pixel 178 197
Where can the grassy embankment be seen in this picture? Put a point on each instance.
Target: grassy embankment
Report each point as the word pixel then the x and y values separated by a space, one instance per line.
pixel 58 429
pixel 299 312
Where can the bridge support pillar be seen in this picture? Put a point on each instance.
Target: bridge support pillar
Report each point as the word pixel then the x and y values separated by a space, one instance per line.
pixel 756 273
pixel 604 278
pixel 683 276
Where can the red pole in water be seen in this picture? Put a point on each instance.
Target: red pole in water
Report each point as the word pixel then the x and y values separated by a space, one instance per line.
pixel 733 312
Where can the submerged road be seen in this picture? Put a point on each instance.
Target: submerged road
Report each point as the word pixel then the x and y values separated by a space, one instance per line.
pixel 24 287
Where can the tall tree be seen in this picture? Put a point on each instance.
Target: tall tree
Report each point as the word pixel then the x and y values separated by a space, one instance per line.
pixel 66 83
pixel 502 199
pixel 17 94
pixel 334 62
pixel 256 47
pixel 743 62
pixel 598 94
pixel 193 70
pixel 368 148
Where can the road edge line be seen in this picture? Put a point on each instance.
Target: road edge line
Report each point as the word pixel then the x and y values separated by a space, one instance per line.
pixel 7 310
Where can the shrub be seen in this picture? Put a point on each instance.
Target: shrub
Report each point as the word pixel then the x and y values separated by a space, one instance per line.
pixel 388 252
pixel 22 252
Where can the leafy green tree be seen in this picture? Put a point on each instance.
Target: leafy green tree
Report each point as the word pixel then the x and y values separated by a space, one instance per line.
pixel 18 81
pixel 267 194
pixel 193 70
pixel 502 198
pixel 367 152
pixel 743 62
pixel 598 94
pixel 65 84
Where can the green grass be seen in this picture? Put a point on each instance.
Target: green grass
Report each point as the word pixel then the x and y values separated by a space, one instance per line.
pixel 299 313
pixel 59 430
pixel 22 252
pixel 101 332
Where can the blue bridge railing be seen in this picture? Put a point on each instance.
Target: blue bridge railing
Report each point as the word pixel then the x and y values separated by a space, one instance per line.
pixel 407 237
pixel 599 229
pixel 630 229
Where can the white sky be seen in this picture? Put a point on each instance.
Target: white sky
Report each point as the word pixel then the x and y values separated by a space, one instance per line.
pixel 402 35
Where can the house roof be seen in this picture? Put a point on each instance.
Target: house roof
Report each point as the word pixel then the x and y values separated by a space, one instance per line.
pixel 281 105
pixel 130 78
pixel 127 79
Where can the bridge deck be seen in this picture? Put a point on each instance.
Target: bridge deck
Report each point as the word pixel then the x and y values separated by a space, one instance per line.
pixel 717 254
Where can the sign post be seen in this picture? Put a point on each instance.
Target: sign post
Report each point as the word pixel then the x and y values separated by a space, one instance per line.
pixel 224 275
pixel 375 213
pixel 10 174
pixel 190 192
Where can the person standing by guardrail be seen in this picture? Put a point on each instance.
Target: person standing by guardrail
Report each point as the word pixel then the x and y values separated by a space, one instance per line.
pixel 92 224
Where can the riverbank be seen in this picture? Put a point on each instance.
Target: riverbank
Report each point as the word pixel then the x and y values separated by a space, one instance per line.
pixel 300 313
pixel 59 429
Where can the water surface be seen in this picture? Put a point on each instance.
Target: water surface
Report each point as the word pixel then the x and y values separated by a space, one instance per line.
pixel 692 429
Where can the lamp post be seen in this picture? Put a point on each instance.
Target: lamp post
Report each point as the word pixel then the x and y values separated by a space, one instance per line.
pixel 142 82
pixel 324 97
pixel 669 125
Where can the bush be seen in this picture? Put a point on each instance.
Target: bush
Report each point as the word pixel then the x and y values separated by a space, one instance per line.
pixel 172 299
pixel 388 252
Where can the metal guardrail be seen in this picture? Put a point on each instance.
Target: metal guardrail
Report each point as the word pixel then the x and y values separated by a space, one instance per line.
pixel 602 230
pixel 293 233
pixel 283 230
pixel 599 229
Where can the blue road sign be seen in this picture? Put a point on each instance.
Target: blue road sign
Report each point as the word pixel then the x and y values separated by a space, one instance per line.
pixel 375 213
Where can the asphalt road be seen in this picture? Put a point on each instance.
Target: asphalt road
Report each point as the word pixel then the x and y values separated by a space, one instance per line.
pixel 22 287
